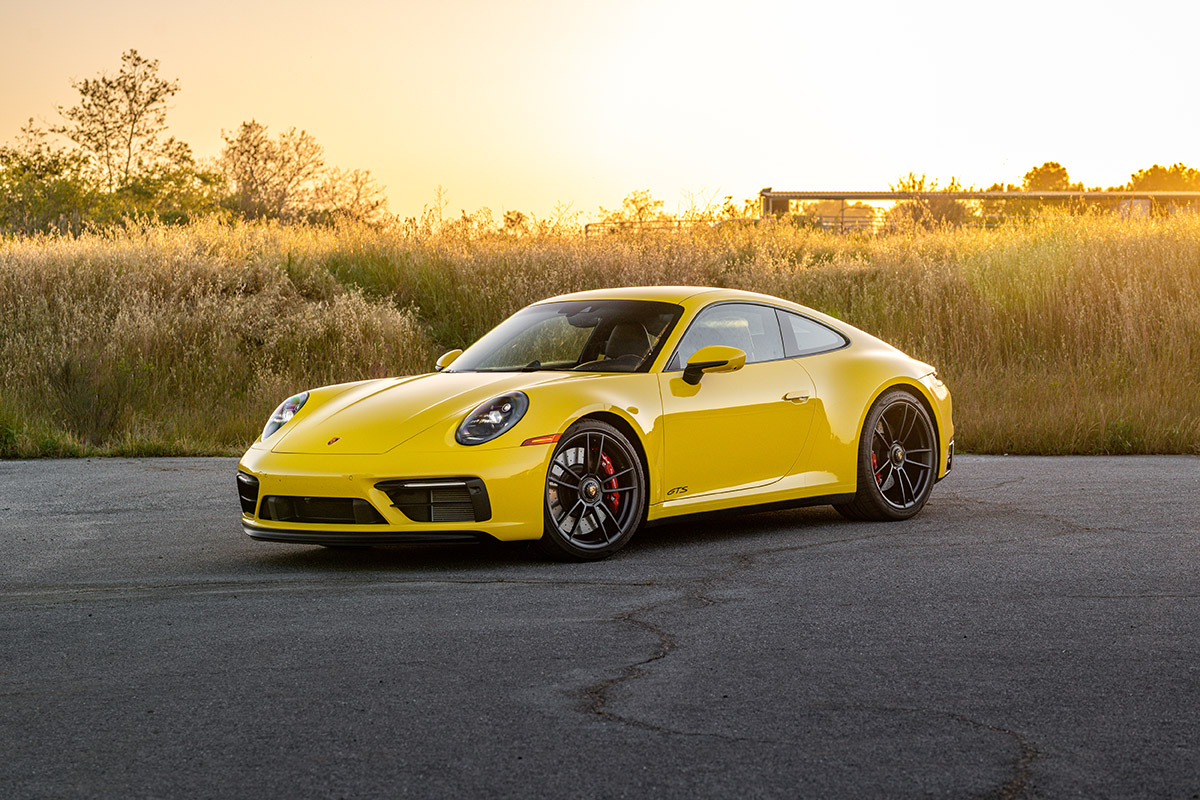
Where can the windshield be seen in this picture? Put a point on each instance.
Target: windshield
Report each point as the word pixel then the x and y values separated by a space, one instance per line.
pixel 587 335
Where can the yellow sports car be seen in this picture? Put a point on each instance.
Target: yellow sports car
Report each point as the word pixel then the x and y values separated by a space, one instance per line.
pixel 582 417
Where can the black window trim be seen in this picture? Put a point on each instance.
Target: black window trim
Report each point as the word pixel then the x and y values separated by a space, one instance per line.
pixel 785 339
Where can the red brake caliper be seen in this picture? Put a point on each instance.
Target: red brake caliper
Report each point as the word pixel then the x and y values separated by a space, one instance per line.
pixel 606 467
pixel 874 467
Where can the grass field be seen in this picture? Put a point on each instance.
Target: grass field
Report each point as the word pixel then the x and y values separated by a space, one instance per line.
pixel 1062 335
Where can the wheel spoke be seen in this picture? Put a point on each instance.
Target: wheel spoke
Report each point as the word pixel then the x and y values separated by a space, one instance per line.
pixel 879 472
pixel 911 420
pixel 618 489
pixel 608 513
pixel 600 455
pixel 600 521
pixel 568 470
pixel 886 432
pixel 900 476
pixel 890 483
pixel 919 464
pixel 566 516
pixel 557 482
pixel 616 475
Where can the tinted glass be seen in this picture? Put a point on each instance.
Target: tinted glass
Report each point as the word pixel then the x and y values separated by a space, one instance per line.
pixel 804 336
pixel 742 325
pixel 592 336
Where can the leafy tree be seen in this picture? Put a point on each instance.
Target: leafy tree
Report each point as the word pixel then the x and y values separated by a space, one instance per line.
pixel 929 210
pixel 638 206
pixel 42 187
pixel 1175 178
pixel 120 121
pixel 173 193
pixel 1049 177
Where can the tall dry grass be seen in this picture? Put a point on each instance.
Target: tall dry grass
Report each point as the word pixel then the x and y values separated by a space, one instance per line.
pixel 1062 335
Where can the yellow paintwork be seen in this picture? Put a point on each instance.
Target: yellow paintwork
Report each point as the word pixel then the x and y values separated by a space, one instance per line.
pixel 766 432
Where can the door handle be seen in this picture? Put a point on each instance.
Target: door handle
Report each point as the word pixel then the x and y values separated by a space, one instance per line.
pixel 796 397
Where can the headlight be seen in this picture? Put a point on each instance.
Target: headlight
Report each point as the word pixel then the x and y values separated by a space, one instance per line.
pixel 489 420
pixel 287 409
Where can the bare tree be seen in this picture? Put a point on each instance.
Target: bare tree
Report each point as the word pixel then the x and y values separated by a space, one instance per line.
pixel 350 193
pixel 120 120
pixel 271 177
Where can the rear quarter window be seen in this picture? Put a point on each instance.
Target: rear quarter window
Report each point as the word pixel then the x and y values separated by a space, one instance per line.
pixel 805 337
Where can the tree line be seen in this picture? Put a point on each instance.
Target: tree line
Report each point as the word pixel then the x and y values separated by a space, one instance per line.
pixel 935 208
pixel 110 157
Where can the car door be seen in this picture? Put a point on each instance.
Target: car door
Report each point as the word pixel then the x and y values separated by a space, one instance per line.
pixel 733 430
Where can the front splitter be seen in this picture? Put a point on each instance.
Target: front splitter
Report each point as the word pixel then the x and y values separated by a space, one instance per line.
pixel 360 538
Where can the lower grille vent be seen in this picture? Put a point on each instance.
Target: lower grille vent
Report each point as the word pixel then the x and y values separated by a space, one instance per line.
pixel 323 510
pixel 439 499
pixel 247 492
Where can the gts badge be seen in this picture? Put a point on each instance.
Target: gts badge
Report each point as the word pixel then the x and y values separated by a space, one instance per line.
pixel 678 490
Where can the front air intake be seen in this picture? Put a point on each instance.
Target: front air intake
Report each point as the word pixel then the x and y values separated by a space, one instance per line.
pixel 247 486
pixel 439 499
pixel 320 510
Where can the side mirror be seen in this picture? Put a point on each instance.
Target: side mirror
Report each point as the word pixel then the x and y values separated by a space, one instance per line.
pixel 447 359
pixel 714 358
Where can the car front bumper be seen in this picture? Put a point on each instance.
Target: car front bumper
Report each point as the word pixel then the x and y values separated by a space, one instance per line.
pixel 514 478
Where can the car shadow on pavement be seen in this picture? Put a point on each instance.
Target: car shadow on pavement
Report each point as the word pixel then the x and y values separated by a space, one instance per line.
pixel 715 536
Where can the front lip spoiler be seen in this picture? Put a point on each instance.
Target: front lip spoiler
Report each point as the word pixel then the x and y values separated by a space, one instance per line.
pixel 361 537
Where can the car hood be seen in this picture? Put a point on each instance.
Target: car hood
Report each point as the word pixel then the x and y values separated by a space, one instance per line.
pixel 376 416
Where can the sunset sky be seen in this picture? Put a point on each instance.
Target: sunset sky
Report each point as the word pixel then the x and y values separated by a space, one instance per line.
pixel 529 103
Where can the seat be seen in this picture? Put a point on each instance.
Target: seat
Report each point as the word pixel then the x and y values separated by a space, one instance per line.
pixel 624 350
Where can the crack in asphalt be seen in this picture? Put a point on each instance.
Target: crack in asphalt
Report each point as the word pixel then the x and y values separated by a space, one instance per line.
pixel 695 594
pixel 1022 767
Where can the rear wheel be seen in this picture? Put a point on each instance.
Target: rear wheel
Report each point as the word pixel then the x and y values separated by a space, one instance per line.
pixel 897 460
pixel 595 493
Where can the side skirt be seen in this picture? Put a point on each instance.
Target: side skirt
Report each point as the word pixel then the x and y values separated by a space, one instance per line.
pixel 779 505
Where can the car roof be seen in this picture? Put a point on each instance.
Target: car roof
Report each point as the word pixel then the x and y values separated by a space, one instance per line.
pixel 695 297
pixel 668 294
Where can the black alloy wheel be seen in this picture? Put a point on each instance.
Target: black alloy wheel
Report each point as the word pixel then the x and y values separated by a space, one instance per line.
pixel 595 493
pixel 898 458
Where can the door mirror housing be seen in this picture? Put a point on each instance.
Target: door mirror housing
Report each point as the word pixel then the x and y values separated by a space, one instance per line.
pixel 447 359
pixel 713 358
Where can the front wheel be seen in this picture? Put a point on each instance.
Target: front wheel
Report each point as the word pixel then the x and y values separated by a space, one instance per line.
pixel 595 493
pixel 897 460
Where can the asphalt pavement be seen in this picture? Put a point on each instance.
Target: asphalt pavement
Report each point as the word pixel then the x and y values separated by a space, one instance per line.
pixel 1034 632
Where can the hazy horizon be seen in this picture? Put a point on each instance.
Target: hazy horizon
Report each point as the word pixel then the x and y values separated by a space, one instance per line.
pixel 535 103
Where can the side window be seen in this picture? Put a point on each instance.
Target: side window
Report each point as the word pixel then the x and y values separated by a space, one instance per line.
pixel 742 325
pixel 804 336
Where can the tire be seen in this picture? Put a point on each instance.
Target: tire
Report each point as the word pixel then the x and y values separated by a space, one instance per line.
pixel 594 494
pixel 897 460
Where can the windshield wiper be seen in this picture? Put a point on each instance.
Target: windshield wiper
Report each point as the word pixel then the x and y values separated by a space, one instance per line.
pixel 532 366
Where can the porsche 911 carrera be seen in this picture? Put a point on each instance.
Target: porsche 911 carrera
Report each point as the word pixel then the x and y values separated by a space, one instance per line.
pixel 583 417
